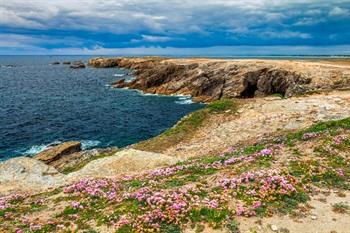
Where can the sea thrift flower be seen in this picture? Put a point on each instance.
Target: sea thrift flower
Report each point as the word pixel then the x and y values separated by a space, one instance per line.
pixel 239 210
pixel 76 205
pixel 339 171
pixel 34 227
pixel 307 136
pixel 339 139
pixel 266 152
pixel 256 204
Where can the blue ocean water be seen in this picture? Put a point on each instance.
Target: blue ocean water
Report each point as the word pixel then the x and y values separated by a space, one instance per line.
pixel 42 104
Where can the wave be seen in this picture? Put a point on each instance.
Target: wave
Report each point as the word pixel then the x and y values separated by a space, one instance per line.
pixel 35 149
pixel 87 144
pixel 184 100
pixel 119 75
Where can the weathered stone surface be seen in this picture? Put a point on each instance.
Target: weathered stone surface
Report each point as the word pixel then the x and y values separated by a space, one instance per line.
pixel 55 153
pixel 27 174
pixel 126 161
pixel 209 79
pixel 77 65
pixel 72 160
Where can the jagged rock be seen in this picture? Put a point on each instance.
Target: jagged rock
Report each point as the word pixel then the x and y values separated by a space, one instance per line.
pixel 26 174
pixel 77 65
pixel 56 152
pixel 126 161
pixel 118 83
pixel 209 79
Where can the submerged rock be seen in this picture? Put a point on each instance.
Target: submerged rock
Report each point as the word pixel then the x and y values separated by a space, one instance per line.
pixel 66 63
pixel 27 174
pixel 57 152
pixel 55 63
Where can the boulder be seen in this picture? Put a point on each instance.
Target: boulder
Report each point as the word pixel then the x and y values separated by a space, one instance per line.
pixel 55 153
pixel 66 63
pixel 27 174
pixel 77 65
pixel 126 161
pixel 55 63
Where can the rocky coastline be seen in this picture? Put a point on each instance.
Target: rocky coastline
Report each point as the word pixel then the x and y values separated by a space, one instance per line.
pixel 207 80
pixel 273 139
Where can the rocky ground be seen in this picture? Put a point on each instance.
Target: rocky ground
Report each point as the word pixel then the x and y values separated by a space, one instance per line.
pixel 267 164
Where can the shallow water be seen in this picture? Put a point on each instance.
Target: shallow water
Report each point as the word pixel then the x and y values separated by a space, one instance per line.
pixel 42 104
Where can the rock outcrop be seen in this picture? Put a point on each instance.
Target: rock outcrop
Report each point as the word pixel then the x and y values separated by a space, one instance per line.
pixel 77 65
pixel 209 79
pixel 27 174
pixel 55 153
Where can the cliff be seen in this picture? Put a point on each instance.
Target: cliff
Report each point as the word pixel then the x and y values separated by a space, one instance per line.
pixel 212 79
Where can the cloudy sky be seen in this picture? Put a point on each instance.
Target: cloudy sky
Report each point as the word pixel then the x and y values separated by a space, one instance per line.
pixel 188 27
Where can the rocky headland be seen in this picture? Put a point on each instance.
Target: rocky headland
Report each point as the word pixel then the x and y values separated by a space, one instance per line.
pixel 268 153
pixel 212 79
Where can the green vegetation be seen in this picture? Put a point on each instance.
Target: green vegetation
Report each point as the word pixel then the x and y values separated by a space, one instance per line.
pixel 186 127
pixel 341 208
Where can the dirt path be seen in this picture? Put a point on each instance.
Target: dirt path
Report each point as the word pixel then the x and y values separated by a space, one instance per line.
pixel 262 117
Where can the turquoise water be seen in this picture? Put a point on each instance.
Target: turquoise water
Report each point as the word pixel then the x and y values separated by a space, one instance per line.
pixel 41 104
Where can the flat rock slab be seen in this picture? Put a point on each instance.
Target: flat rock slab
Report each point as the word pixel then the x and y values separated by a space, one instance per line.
pixel 56 152
pixel 26 174
pixel 126 161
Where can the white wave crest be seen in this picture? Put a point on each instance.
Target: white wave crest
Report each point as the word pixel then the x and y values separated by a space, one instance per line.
pixel 87 144
pixel 35 149
pixel 184 100
pixel 119 75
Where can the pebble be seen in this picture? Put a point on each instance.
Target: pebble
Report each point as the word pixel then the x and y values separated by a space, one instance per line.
pixel 313 217
pixel 274 228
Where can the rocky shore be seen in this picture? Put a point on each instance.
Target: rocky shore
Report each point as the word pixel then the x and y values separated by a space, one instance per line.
pixel 269 153
pixel 212 79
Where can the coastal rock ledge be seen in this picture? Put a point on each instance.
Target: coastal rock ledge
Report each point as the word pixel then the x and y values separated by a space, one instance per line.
pixel 211 79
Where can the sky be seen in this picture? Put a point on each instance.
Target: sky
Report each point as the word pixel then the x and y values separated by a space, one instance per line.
pixel 175 27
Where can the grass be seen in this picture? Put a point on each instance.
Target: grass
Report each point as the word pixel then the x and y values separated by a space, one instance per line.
pixel 341 208
pixel 186 127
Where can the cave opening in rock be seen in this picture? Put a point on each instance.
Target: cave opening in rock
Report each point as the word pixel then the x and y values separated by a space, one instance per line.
pixel 249 91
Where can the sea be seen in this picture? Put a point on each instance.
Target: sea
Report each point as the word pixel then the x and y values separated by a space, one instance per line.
pixel 42 104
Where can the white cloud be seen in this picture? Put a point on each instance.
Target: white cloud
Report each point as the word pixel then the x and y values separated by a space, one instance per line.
pixel 172 16
pixel 226 51
pixel 340 12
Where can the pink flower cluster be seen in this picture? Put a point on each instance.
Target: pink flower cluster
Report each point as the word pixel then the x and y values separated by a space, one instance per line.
pixel 5 201
pixel 258 185
pixel 76 205
pixel 95 187
pixel 339 139
pixel 307 136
